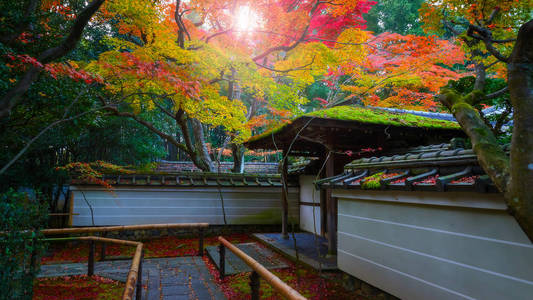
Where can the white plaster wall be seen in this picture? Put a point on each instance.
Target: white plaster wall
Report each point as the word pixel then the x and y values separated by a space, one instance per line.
pixel 129 205
pixel 433 250
pixel 309 194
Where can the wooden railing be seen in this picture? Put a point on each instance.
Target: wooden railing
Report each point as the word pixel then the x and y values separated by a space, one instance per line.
pixel 257 271
pixel 135 273
pixel 134 279
pixel 104 229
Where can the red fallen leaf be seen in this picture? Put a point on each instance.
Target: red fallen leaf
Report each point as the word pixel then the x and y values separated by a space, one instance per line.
pixel 430 180
pixel 468 180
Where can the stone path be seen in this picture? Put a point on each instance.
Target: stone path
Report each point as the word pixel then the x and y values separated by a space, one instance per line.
pixel 235 265
pixel 312 250
pixel 165 278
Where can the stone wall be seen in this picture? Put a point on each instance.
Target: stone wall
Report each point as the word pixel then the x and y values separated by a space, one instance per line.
pixel 364 289
pixel 212 230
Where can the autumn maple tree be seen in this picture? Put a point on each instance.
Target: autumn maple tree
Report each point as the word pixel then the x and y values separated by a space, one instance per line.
pixel 498 39
pixel 399 71
pixel 188 61
pixel 196 64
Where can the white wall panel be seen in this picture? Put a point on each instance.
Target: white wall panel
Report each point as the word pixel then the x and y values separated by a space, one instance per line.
pixel 308 194
pixel 147 205
pixel 417 251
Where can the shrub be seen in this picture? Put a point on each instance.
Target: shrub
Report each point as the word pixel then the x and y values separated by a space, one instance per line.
pixel 20 247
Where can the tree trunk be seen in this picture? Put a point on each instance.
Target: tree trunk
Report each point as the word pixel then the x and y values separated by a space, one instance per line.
pixel 193 135
pixel 203 159
pixel 490 155
pixel 520 80
pixel 238 158
pixel 481 76
pixel 513 176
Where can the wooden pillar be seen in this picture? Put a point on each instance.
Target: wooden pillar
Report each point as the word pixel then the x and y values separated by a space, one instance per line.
pixel 323 206
pixel 254 285
pixel 323 213
pixel 70 208
pixel 90 261
pixel 201 242
pixel 284 196
pixel 222 261
pixel 331 210
pixel 104 245
pixel 139 288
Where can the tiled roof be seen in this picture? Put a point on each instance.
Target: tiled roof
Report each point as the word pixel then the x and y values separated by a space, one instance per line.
pixel 194 179
pixel 225 167
pixel 428 168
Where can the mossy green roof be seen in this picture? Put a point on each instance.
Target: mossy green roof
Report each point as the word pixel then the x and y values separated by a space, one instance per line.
pixel 369 116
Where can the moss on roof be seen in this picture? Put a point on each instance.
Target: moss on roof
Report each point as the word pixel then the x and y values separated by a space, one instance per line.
pixel 370 116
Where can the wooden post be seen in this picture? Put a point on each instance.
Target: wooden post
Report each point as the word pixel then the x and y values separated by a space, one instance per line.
pixel 323 206
pixel 284 196
pixel 331 210
pixel 201 242
pixel 70 207
pixel 254 285
pixel 90 267
pixel 222 261
pixel 138 295
pixel 104 246
pixel 281 287
pixel 323 213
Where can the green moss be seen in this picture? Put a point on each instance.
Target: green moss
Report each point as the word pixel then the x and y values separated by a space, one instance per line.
pixel 481 131
pixel 372 182
pixel 461 105
pixel 370 116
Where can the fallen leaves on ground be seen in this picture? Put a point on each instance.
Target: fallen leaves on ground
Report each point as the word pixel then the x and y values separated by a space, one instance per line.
pixel 77 287
pixel 310 283
pixel 169 246
pixel 306 281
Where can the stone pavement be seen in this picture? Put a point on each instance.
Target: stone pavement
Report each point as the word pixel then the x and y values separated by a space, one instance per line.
pixel 235 265
pixel 312 249
pixel 165 278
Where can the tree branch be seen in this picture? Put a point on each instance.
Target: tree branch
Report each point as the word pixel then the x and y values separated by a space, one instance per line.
pixel 485 35
pixel 497 93
pixel 207 38
pixel 10 99
pixel 282 48
pixel 287 70
pixel 143 122
pixel 495 11
pixel 490 155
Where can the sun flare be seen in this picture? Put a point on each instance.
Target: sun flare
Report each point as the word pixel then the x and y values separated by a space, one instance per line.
pixel 246 19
